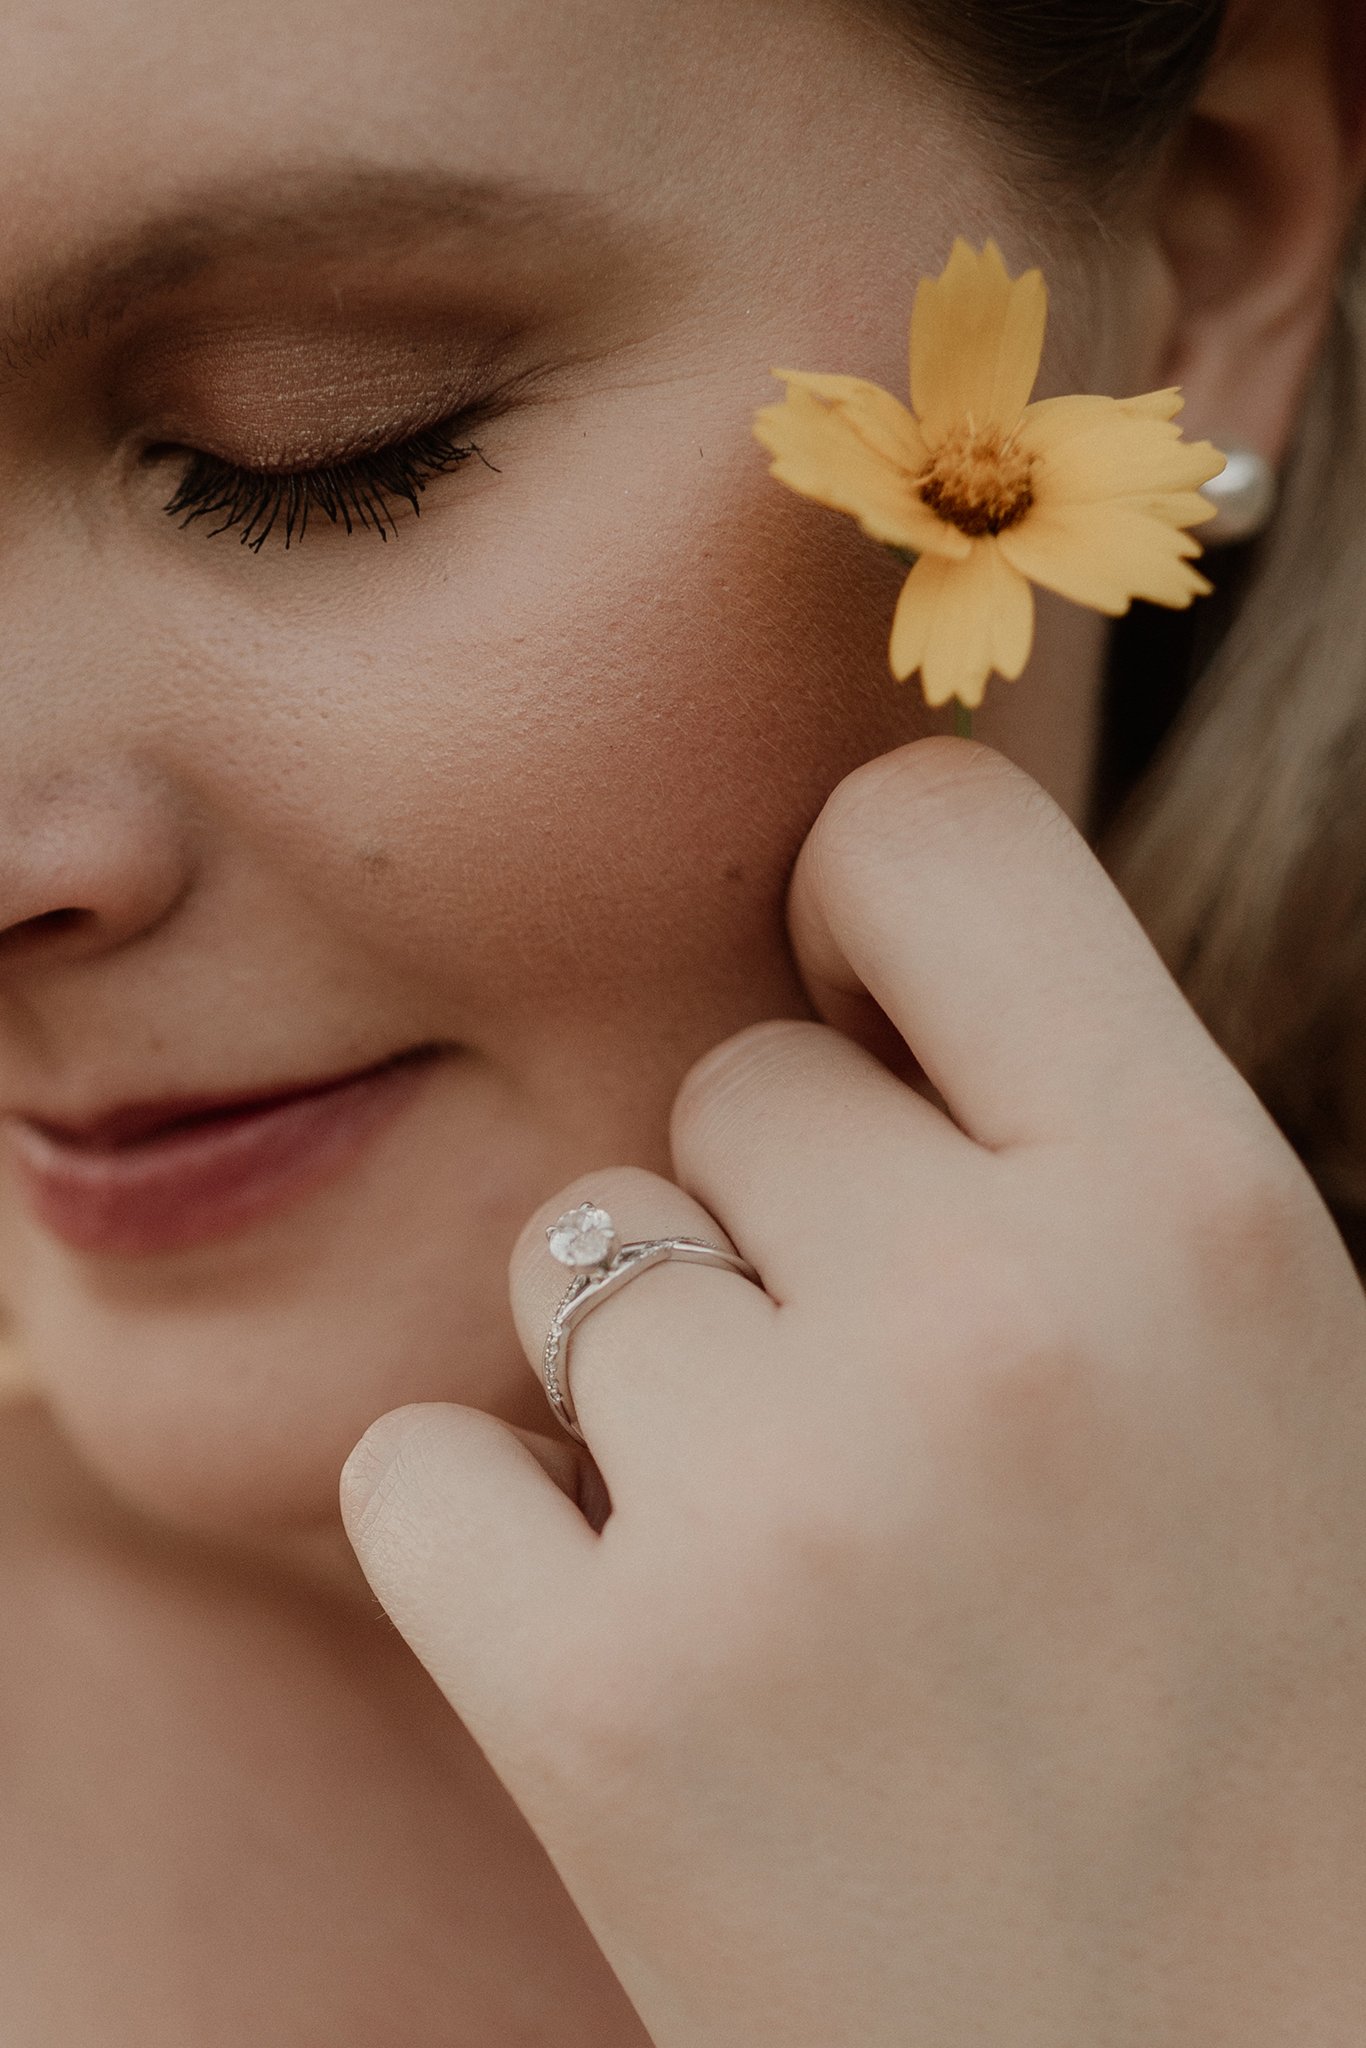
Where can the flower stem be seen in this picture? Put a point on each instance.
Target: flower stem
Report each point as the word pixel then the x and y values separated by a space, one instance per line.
pixel 962 719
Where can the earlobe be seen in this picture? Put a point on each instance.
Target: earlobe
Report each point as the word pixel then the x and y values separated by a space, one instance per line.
pixel 1251 219
pixel 1244 494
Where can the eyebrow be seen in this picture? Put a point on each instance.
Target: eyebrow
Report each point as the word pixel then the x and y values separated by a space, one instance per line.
pixel 314 213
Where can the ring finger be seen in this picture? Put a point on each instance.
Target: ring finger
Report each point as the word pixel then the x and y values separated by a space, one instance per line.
pixel 666 1352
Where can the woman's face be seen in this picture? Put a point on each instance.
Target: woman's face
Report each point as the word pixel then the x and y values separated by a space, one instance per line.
pixel 514 791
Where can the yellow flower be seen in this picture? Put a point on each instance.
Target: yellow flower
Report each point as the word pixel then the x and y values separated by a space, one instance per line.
pixel 1087 496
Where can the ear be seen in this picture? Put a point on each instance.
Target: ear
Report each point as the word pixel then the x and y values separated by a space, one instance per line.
pixel 1254 211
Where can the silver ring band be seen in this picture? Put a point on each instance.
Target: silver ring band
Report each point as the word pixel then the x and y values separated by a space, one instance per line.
pixel 613 1267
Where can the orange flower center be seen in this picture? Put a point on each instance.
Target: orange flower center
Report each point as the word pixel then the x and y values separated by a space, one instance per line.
pixel 980 483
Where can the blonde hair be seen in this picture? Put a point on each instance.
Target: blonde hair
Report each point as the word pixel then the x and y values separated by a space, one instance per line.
pixel 1236 826
pixel 1242 845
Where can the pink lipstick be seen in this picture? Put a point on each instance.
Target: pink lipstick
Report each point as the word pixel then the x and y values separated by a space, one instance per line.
pixel 161 1176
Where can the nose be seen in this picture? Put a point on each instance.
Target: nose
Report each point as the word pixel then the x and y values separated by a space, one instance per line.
pixel 86 866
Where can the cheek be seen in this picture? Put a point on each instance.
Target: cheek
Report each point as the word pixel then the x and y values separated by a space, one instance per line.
pixel 568 771
pixel 629 716
pixel 693 688
pixel 534 786
pixel 539 795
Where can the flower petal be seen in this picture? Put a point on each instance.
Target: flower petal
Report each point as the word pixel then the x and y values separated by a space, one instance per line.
pixel 976 342
pixel 1105 555
pixel 1013 630
pixel 1090 449
pixel 1057 419
pixel 878 418
pixel 1051 422
pixel 818 453
pixel 957 621
pixel 1157 405
pixel 1182 508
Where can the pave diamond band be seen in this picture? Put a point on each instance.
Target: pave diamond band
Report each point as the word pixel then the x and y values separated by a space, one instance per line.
pixel 585 1239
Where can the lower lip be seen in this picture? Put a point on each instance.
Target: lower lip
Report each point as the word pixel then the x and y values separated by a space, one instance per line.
pixel 209 1180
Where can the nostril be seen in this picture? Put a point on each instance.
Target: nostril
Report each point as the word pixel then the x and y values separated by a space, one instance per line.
pixel 40 930
pixel 91 859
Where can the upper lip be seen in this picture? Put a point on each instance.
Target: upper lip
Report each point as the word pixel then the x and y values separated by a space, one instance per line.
pixel 133 1123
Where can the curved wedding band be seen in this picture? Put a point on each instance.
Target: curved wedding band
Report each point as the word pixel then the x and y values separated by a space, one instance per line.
pixel 585 1240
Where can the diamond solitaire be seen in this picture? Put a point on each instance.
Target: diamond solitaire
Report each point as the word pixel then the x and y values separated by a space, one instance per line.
pixel 584 1239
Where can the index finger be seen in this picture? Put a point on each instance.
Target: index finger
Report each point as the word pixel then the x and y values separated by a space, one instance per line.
pixel 946 884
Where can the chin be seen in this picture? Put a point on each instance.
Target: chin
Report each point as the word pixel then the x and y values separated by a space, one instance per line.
pixel 221 1390
pixel 250 1448
pixel 236 1415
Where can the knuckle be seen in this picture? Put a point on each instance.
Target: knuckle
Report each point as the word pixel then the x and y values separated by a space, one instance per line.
pixel 1243 1213
pixel 740 1064
pixel 614 1709
pixel 812 1533
pixel 923 806
pixel 843 1529
pixel 937 786
pixel 1025 1389
pixel 1019 1387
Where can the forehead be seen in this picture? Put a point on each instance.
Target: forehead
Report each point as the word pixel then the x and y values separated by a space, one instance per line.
pixel 98 94
pixel 111 107
pixel 148 79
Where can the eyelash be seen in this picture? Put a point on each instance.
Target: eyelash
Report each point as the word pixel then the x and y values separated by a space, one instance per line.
pixel 353 492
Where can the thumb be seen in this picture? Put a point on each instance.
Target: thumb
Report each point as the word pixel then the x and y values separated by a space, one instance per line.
pixel 474 1550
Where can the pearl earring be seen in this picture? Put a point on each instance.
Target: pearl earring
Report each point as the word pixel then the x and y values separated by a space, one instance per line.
pixel 1245 493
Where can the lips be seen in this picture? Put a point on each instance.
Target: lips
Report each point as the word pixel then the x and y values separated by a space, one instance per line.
pixel 162 1176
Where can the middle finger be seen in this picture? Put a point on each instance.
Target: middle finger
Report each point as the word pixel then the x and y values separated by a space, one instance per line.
pixel 812 1155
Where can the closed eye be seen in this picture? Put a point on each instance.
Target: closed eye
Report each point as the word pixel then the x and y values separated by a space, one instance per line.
pixel 355 492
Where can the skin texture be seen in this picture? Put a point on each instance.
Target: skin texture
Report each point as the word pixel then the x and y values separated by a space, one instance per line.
pixel 983 1638
pixel 527 782
pixel 322 806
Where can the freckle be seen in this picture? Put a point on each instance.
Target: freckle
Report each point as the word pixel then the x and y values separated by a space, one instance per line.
pixel 734 873
pixel 375 860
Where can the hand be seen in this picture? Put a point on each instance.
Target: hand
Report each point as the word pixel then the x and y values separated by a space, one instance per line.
pixel 976 1650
